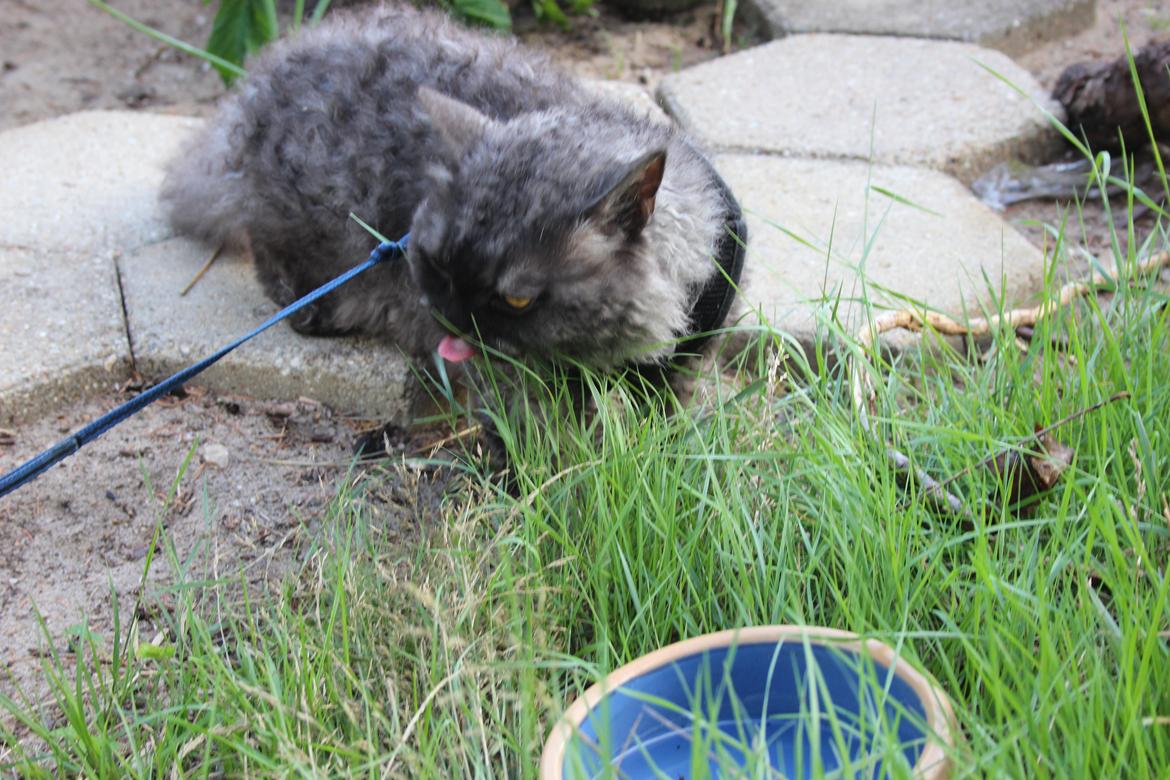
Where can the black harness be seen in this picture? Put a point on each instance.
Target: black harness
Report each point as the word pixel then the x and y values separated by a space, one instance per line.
pixel 710 309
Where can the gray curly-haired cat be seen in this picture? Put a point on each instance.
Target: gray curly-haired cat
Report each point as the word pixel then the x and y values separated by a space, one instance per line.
pixel 544 220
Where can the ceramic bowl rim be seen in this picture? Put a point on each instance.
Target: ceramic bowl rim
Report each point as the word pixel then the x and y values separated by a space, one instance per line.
pixel 932 764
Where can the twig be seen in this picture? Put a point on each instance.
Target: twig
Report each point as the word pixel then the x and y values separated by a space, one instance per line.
pixel 861 382
pixel 413 463
pixel 437 445
pixel 930 486
pixel 199 274
pixel 153 58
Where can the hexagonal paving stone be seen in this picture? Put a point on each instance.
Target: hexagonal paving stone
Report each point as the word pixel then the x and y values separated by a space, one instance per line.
pixel 1012 26
pixel 169 332
pixel 74 190
pixel 893 100
pixel 87 181
pixel 900 238
pixel 61 332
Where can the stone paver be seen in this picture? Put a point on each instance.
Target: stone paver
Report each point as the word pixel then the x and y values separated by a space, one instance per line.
pixel 87 181
pixel 1012 26
pixel 170 332
pixel 75 190
pixel 61 332
pixel 940 258
pixel 82 236
pixel 893 100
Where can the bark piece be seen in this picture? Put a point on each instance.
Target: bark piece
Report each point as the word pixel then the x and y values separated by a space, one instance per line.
pixel 1100 99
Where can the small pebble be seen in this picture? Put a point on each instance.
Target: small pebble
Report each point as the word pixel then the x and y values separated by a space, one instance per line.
pixel 216 455
pixel 281 410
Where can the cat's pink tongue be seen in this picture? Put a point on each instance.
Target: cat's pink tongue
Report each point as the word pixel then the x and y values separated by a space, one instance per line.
pixel 455 349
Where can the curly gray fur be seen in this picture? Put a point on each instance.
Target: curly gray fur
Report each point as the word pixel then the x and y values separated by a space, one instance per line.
pixel 514 180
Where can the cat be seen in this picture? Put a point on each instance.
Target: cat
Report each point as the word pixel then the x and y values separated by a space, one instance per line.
pixel 544 220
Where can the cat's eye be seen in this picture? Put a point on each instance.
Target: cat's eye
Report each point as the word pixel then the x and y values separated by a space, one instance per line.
pixel 519 304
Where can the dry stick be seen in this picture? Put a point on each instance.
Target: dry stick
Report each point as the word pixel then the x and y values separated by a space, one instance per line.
pixel 153 58
pixel 341 464
pixel 861 383
pixel 199 274
pixel 437 445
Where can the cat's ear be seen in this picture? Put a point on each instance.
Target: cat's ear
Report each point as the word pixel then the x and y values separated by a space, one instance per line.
pixel 459 124
pixel 629 204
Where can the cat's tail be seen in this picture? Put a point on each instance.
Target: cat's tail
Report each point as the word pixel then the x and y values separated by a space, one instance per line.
pixel 204 193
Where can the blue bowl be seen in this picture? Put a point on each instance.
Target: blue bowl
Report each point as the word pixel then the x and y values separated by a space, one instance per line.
pixel 798 700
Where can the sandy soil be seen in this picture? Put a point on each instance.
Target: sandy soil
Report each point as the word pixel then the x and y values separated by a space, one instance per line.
pixel 609 47
pixel 1144 21
pixel 85 527
pixel 233 482
pixel 61 56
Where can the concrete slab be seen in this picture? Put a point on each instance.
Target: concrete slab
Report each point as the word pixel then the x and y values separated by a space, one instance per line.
pixel 61 332
pixel 940 250
pixel 896 101
pixel 169 332
pixel 86 181
pixel 1012 26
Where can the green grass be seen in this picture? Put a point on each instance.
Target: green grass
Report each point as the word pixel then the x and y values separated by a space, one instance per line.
pixel 452 655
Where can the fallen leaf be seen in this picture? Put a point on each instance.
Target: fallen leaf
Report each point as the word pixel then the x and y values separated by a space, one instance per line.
pixel 1026 474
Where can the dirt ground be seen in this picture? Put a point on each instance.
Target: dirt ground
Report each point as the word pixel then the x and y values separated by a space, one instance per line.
pixel 61 56
pixel 235 484
pixel 262 472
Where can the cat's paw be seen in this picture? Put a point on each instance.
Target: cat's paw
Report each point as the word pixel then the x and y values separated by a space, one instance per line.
pixel 316 320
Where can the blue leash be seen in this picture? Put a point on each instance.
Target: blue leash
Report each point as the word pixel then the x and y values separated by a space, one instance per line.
pixel 32 469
